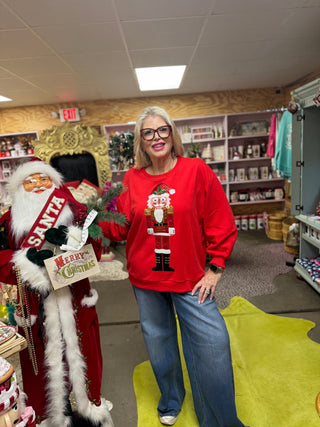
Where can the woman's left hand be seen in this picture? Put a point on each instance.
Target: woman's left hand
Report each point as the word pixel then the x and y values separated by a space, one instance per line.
pixel 207 285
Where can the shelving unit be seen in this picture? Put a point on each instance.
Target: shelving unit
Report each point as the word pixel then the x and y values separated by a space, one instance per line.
pixel 309 246
pixel 219 138
pixel 109 131
pixel 306 174
pixel 15 149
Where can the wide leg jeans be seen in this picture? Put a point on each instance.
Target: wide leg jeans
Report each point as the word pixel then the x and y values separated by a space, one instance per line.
pixel 206 349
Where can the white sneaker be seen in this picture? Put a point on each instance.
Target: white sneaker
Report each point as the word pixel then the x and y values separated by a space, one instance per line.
pixel 168 420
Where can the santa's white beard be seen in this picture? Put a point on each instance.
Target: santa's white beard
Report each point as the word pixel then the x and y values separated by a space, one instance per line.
pixel 26 208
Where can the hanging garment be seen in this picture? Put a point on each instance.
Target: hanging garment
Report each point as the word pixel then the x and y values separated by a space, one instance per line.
pixel 272 137
pixel 284 146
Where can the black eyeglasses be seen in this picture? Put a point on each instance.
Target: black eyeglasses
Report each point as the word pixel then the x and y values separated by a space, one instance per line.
pixel 149 134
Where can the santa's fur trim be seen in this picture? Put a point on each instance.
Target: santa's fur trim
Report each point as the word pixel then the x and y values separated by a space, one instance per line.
pixel 56 387
pixel 62 339
pixel 98 414
pixel 28 168
pixel 76 364
pixel 35 275
pixel 67 422
pixel 90 300
pixel 74 236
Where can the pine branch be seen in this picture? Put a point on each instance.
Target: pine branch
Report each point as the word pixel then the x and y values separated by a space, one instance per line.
pixel 104 205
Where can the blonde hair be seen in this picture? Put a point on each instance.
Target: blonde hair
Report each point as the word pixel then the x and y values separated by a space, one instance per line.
pixel 142 159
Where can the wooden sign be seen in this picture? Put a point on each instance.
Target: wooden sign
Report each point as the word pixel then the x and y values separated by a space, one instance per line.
pixel 71 266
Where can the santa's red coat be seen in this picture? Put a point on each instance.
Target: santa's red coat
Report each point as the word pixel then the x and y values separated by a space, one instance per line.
pixel 86 322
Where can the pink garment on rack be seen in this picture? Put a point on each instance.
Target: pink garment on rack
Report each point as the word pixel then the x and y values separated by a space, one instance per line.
pixel 272 137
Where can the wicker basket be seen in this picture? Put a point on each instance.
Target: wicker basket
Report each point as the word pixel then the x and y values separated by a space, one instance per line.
pixel 285 229
pixel 286 225
pixel 275 225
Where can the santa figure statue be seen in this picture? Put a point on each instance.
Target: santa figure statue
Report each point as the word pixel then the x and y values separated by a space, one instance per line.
pixel 61 327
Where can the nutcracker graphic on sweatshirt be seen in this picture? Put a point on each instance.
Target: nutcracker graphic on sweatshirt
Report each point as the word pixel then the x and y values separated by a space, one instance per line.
pixel 159 216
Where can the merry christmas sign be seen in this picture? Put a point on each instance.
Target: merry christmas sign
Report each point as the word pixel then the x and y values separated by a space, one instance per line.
pixel 72 266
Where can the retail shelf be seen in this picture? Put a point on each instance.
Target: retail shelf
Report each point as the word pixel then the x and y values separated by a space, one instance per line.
pixel 258 135
pixel 305 220
pixel 254 202
pixel 255 181
pixel 306 276
pixel 251 159
pixel 17 157
pixel 311 240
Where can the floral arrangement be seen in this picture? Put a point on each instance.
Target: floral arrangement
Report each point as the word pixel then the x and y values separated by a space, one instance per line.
pixel 121 150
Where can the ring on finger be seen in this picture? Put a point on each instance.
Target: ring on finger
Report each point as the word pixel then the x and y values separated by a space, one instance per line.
pixel 207 291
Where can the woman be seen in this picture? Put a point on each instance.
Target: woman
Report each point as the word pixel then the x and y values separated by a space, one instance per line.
pixel 177 212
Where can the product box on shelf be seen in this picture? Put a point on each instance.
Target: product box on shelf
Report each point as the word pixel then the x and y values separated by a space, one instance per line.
pixel 186 135
pixel 253 173
pixel 264 172
pixel 218 152
pixel 249 222
pixel 203 133
pixel 256 150
pixel 220 173
pixel 241 174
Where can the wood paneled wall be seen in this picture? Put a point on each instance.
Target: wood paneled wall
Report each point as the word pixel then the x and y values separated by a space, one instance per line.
pixel 38 118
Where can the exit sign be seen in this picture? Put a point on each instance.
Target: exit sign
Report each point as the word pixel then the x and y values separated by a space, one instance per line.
pixel 69 114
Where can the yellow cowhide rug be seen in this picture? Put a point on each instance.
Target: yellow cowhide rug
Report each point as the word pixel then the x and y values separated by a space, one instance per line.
pixel 276 368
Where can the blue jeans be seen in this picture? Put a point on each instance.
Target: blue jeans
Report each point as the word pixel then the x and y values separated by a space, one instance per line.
pixel 206 349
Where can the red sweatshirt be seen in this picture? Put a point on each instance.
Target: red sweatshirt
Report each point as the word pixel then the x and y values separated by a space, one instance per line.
pixel 174 219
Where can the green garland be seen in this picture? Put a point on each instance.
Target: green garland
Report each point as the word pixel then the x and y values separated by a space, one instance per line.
pixel 105 206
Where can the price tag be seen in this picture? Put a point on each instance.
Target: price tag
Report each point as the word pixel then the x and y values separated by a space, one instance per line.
pixel 84 235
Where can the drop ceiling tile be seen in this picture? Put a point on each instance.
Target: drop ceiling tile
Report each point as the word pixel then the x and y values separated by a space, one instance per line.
pixel 95 91
pixel 212 55
pixel 81 38
pixel 301 23
pixel 33 66
pixel 8 20
pixel 4 73
pixel 52 81
pixel 21 44
pixel 28 97
pixel 232 7
pixel 243 27
pixel 44 12
pixel 161 57
pixel 99 62
pixel 154 9
pixel 14 83
pixel 162 33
